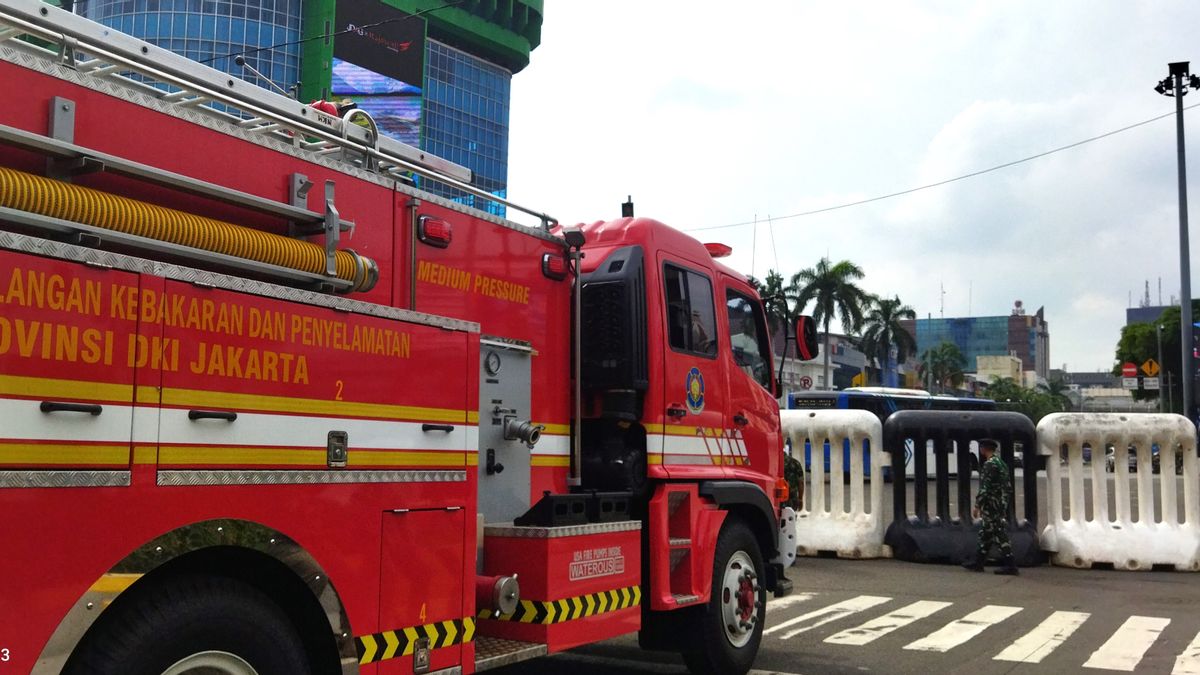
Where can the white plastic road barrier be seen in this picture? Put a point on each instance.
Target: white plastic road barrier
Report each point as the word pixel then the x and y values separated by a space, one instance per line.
pixel 854 530
pixel 1129 537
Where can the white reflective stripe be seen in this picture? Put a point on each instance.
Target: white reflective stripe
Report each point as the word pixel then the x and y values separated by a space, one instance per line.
pixel 1039 642
pixel 1188 662
pixel 264 429
pixel 788 600
pixel 957 632
pixel 25 421
pixel 1125 649
pixel 559 446
pixel 877 628
pixel 825 615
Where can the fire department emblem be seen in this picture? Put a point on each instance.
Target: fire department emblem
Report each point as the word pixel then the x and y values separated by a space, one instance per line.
pixel 695 391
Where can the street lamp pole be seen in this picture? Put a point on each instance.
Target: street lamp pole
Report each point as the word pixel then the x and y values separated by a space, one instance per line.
pixel 1158 334
pixel 1176 84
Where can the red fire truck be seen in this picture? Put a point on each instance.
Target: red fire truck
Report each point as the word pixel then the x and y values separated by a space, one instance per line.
pixel 270 406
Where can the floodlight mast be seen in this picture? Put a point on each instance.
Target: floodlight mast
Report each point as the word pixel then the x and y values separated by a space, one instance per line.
pixel 1176 84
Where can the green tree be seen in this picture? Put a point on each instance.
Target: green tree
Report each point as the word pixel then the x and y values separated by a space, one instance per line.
pixel 944 365
pixel 833 291
pixel 1057 390
pixel 882 331
pixel 1139 341
pixel 1033 403
pixel 774 293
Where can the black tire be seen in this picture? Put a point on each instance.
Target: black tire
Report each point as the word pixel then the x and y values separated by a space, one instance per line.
pixel 716 653
pixel 190 615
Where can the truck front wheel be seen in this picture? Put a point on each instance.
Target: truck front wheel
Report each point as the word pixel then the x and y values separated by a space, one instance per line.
pixel 727 633
pixel 194 625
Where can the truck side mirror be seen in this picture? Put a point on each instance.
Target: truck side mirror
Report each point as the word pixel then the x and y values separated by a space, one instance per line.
pixel 806 338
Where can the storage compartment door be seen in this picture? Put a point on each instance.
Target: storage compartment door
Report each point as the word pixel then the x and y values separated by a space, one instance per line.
pixel 68 336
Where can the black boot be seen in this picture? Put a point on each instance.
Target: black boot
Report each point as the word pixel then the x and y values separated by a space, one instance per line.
pixel 974 563
pixel 1007 567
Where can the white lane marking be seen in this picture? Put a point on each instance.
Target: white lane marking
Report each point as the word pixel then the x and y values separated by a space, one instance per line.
pixel 1125 649
pixel 877 628
pixel 1039 642
pixel 788 600
pixel 615 664
pixel 824 615
pixel 957 632
pixel 1188 662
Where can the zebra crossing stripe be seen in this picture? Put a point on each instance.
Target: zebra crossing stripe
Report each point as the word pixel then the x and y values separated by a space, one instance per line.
pixel 877 628
pixel 957 632
pixel 788 600
pixel 1039 642
pixel 825 615
pixel 1125 649
pixel 1188 662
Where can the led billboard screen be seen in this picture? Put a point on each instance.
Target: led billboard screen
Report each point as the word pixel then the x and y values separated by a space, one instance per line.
pixel 379 63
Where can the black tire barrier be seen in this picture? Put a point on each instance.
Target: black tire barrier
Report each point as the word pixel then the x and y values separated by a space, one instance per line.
pixel 952 538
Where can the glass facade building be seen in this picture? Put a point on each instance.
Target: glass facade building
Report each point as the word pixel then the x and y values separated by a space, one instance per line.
pixel 213 32
pixel 1025 336
pixel 471 51
pixel 466 119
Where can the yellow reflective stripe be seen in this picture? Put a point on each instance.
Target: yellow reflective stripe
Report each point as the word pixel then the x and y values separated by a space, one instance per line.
pixel 369 649
pixel 549 460
pixel 406 457
pixel 392 642
pixel 145 454
pixel 654 459
pixel 63 453
pixel 557 430
pixel 195 398
pixel 113 583
pixel 73 390
pixel 472 417
pixel 411 635
pixel 240 455
pixel 472 459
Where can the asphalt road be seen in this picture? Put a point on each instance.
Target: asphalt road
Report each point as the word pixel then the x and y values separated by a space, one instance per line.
pixel 887 616
pixel 851 616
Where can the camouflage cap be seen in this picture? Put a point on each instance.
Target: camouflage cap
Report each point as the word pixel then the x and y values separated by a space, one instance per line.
pixel 989 443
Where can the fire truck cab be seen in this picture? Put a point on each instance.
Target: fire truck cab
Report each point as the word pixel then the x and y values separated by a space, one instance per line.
pixel 268 405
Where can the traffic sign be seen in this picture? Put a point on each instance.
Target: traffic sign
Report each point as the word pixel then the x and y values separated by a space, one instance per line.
pixel 1150 383
pixel 806 382
pixel 1129 370
pixel 1129 382
pixel 1150 368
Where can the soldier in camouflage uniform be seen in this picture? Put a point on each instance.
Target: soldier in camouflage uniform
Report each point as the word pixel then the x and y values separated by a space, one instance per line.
pixel 991 503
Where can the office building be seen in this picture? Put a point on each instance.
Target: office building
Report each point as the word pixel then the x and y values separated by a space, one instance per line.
pixel 1019 334
pixel 434 76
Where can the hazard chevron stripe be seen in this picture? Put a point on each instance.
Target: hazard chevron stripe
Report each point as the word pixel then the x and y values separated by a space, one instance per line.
pixel 547 612
pixel 401 641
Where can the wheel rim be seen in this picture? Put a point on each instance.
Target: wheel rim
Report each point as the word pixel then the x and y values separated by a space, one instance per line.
pixel 739 599
pixel 211 663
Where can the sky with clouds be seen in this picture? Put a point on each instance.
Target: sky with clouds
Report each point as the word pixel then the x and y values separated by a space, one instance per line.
pixel 714 113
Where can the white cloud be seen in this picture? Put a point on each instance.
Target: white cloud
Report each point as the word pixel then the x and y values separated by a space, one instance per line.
pixel 710 116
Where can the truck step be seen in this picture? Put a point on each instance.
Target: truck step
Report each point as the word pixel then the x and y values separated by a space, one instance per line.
pixel 685 599
pixel 492 652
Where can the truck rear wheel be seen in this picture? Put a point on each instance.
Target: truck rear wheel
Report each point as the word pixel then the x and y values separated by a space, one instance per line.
pixel 729 630
pixel 196 625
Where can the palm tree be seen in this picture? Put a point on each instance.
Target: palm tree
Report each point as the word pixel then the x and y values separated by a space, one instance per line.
pixel 832 290
pixel 1057 390
pixel 775 300
pixel 945 364
pixel 882 331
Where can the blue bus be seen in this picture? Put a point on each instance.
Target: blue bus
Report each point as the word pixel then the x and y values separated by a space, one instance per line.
pixel 882 402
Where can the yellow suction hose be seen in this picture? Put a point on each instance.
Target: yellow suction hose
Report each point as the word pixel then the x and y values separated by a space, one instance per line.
pixel 27 192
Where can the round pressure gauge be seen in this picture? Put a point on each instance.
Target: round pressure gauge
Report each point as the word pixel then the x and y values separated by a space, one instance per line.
pixel 492 363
